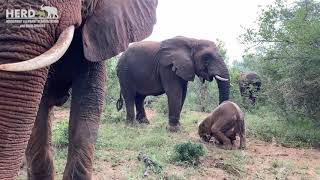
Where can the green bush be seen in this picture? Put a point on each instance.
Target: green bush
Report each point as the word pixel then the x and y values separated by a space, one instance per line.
pixel 60 134
pixel 111 114
pixel 287 56
pixel 159 103
pixel 188 153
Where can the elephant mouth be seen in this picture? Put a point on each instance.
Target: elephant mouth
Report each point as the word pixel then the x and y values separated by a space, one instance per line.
pixel 207 78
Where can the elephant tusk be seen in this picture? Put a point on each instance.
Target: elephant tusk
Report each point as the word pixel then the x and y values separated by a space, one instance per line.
pixel 47 58
pixel 220 78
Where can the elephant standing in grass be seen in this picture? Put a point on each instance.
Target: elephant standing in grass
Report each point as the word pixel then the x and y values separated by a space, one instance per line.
pixel 249 84
pixel 154 68
pixel 88 32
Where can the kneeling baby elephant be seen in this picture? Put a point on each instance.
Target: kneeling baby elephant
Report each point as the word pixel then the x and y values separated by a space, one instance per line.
pixel 225 122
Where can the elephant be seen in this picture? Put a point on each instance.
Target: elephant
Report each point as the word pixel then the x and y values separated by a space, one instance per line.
pixel 224 123
pixel 154 68
pixel 39 67
pixel 250 85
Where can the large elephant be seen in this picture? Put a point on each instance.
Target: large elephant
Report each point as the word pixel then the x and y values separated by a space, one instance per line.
pixel 249 84
pixel 88 32
pixel 155 68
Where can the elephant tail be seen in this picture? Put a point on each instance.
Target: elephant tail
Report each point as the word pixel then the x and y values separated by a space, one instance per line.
pixel 119 102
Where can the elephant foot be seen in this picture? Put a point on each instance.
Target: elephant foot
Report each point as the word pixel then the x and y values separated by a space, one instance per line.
pixel 227 147
pixel 131 121
pixel 143 120
pixel 173 128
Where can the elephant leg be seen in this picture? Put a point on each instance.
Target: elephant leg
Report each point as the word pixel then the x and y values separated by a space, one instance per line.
pixel 184 94
pixel 175 88
pixel 130 101
pixel 141 113
pixel 88 95
pixel 231 134
pixel 175 105
pixel 222 138
pixel 39 152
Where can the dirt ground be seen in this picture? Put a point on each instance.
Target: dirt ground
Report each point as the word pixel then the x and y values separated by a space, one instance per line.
pixel 263 161
pixel 266 161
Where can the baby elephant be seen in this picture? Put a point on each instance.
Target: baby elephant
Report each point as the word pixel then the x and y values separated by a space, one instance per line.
pixel 224 123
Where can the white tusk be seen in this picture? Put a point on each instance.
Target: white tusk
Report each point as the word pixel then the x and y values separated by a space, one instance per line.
pixel 47 58
pixel 220 78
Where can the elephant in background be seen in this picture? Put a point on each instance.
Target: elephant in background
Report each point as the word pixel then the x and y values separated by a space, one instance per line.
pixel 249 84
pixel 88 32
pixel 154 68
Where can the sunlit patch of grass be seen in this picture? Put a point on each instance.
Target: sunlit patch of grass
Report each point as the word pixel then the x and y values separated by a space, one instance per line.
pixel 280 169
pixel 60 134
pixel 318 169
pixel 60 159
pixel 153 139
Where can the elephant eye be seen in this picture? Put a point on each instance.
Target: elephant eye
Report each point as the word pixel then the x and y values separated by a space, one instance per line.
pixel 207 57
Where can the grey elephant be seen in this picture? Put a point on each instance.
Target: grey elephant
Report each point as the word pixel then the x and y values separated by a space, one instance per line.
pixel 154 68
pixel 33 81
pixel 250 85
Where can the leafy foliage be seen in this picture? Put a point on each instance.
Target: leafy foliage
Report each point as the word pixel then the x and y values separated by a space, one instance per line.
pixel 189 152
pixel 287 56
pixel 60 134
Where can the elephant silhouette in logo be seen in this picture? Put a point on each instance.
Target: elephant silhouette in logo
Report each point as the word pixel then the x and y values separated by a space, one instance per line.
pixel 51 11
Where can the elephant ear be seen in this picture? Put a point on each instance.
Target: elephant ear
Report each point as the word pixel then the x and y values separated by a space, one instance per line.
pixel 112 24
pixel 178 52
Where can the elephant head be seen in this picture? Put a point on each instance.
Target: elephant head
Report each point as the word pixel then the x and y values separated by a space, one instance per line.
pixel 100 29
pixel 249 84
pixel 190 57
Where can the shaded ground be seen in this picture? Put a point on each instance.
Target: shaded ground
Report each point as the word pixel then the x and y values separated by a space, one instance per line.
pixel 116 159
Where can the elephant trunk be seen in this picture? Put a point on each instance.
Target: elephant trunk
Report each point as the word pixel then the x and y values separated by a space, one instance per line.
pixel 224 86
pixel 20 95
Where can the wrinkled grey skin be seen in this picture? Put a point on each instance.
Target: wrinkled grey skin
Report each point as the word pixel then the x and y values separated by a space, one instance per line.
pixel 250 85
pixel 155 68
pixel 104 28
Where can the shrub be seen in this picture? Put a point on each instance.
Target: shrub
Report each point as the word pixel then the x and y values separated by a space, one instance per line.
pixel 60 134
pixel 188 152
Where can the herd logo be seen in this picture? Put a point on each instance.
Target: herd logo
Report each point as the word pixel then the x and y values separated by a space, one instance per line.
pixel 32 18
pixel 52 12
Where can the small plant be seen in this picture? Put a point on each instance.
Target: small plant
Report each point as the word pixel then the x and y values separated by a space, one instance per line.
pixel 189 152
pixel 60 134
pixel 161 104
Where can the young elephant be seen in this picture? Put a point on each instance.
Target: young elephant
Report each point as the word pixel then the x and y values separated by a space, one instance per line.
pixel 224 123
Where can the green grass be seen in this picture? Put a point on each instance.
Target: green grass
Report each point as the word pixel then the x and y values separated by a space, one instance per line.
pixel 266 125
pixel 188 152
pixel 60 134
pixel 318 169
pixel 118 144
